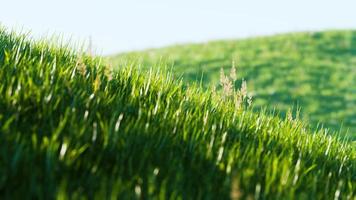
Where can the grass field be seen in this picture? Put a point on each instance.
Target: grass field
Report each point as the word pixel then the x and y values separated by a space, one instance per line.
pixel 72 127
pixel 313 71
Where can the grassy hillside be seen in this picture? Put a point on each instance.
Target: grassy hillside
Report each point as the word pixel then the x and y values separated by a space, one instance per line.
pixel 72 127
pixel 314 71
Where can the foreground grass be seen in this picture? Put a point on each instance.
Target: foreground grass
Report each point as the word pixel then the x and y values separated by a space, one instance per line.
pixel 72 127
pixel 315 71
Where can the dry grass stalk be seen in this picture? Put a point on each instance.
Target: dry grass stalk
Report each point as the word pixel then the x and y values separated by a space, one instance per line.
pixel 239 96
pixel 81 67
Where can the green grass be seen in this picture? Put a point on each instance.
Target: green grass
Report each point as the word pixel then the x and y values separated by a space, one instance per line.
pixel 313 71
pixel 72 127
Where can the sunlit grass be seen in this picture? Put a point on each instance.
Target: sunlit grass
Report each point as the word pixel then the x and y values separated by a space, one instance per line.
pixel 72 127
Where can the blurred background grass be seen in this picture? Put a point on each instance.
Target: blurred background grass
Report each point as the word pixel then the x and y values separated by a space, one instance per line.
pixel 313 71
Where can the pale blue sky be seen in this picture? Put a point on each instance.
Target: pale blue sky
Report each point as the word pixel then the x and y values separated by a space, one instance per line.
pixel 117 26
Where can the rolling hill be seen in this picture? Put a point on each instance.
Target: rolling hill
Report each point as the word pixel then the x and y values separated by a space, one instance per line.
pixel 71 127
pixel 315 72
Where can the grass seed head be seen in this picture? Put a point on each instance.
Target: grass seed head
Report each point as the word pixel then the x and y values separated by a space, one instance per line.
pixel 82 69
pixel 233 74
pixel 243 89
pixel 223 78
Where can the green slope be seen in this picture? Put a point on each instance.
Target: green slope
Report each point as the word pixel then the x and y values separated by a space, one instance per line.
pixel 72 127
pixel 314 71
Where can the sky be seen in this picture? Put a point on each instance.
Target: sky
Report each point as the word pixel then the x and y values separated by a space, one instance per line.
pixel 116 26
